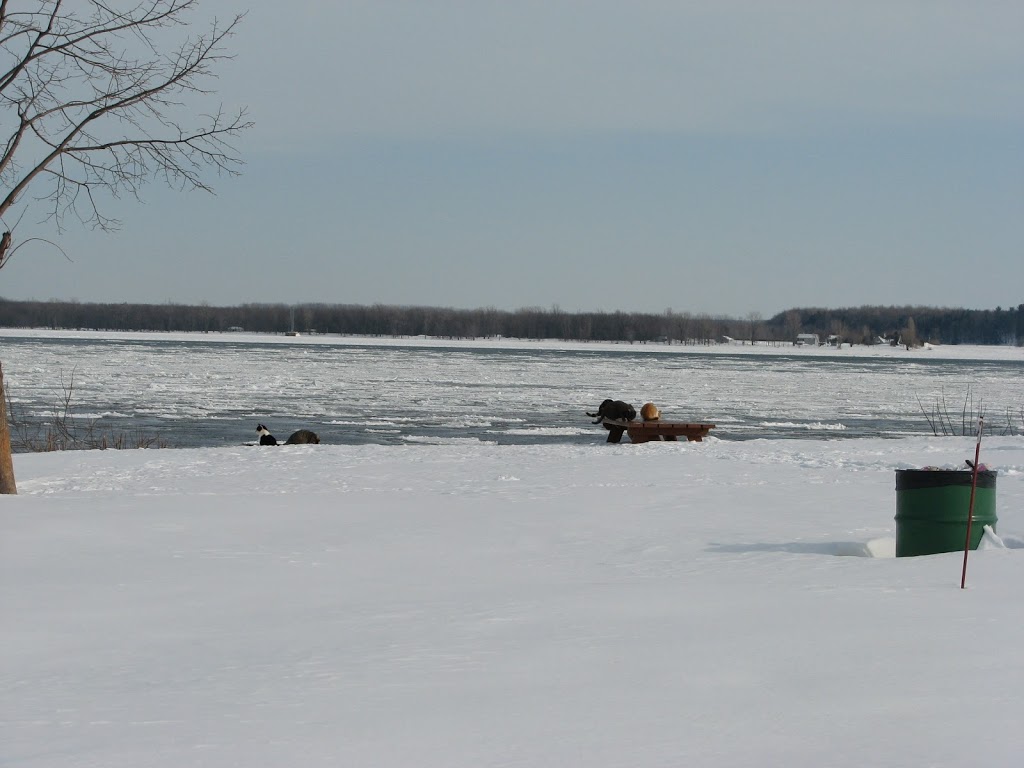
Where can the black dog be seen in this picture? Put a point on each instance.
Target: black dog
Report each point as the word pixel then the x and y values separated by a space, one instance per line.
pixel 303 437
pixel 614 409
pixel 265 437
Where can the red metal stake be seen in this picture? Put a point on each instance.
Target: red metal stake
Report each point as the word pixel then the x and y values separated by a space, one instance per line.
pixel 970 508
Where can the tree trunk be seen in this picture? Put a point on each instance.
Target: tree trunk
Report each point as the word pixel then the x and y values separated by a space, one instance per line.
pixel 7 484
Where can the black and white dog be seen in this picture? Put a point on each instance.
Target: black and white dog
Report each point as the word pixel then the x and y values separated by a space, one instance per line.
pixel 265 437
pixel 614 409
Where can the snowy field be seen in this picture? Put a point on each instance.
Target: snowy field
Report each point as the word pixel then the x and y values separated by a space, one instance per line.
pixel 727 603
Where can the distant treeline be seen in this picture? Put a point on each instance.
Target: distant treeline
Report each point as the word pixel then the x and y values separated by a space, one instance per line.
pixel 859 325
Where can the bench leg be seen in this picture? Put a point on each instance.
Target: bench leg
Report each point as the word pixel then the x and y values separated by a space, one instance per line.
pixel 673 438
pixel 615 434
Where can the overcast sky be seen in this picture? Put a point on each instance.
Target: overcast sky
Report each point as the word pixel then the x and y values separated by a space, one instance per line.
pixel 727 157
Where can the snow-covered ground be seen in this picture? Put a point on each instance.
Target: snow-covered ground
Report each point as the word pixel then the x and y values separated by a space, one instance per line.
pixel 727 603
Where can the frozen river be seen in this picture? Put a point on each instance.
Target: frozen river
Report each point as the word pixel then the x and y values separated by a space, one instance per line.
pixel 198 390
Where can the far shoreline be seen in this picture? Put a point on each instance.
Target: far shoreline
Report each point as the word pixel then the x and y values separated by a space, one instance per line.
pixel 880 351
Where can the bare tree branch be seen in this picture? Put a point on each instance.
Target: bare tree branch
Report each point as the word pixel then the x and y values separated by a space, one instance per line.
pixel 93 95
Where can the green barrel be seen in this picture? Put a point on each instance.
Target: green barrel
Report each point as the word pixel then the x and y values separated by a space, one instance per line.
pixel 932 507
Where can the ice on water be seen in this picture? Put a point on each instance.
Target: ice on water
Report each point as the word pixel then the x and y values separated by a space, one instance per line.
pixel 211 389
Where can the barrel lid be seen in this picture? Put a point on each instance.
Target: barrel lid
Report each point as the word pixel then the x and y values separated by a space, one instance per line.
pixel 914 479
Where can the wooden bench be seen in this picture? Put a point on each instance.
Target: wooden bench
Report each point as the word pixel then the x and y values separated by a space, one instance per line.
pixel 644 431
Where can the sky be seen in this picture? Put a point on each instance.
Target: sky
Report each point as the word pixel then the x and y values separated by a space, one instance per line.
pixel 727 158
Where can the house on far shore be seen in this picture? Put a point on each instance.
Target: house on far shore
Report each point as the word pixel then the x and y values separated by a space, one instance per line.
pixel 807 339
